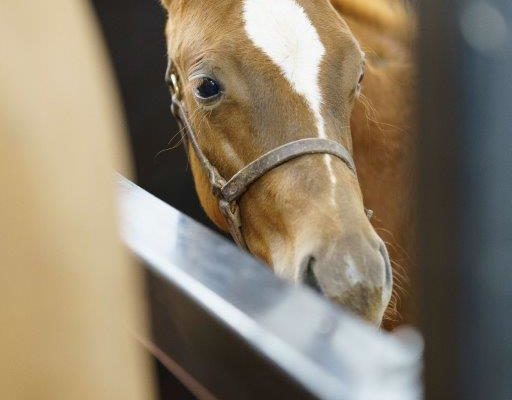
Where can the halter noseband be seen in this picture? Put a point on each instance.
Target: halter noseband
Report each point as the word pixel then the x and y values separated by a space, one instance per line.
pixel 229 192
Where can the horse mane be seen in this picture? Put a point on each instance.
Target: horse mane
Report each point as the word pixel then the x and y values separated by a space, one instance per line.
pixel 395 17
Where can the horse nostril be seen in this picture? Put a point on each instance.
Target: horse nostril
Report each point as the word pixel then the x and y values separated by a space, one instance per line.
pixel 310 277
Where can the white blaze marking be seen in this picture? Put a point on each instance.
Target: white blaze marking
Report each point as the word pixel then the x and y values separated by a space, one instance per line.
pixel 284 32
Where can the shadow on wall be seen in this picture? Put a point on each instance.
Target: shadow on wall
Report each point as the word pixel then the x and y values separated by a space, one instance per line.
pixel 134 32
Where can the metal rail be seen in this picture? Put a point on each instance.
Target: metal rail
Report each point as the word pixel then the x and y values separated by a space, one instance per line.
pixel 231 329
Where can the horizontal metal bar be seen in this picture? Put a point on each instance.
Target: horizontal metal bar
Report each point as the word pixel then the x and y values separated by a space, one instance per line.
pixel 240 332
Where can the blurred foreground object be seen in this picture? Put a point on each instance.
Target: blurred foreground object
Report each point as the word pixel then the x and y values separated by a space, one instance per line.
pixel 69 294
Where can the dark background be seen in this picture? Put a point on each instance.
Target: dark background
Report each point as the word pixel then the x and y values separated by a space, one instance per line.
pixel 134 33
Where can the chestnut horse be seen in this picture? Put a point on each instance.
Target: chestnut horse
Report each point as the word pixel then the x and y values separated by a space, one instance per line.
pixel 258 74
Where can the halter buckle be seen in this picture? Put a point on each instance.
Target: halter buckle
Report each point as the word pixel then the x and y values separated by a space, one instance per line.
pixel 231 212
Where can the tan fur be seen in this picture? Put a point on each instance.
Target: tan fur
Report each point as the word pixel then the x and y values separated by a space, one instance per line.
pixel 384 146
pixel 388 16
pixel 380 131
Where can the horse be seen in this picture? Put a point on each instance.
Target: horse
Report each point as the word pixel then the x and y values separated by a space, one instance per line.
pixel 256 75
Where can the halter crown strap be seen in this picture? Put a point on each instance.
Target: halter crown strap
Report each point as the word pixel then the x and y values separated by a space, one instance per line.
pixel 214 177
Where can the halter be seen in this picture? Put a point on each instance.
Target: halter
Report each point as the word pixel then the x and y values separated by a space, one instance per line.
pixel 229 192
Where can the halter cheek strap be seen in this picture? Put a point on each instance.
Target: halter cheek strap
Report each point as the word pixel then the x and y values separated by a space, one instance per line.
pixel 229 192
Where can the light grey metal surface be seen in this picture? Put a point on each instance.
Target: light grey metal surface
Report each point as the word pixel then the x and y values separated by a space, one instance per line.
pixel 308 344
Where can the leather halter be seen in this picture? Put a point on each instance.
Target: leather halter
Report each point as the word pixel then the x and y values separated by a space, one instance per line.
pixel 229 192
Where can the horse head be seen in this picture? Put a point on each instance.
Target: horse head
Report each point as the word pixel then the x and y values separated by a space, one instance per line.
pixel 256 75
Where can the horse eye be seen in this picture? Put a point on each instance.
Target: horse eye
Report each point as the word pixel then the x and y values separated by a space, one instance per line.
pixel 208 89
pixel 361 78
